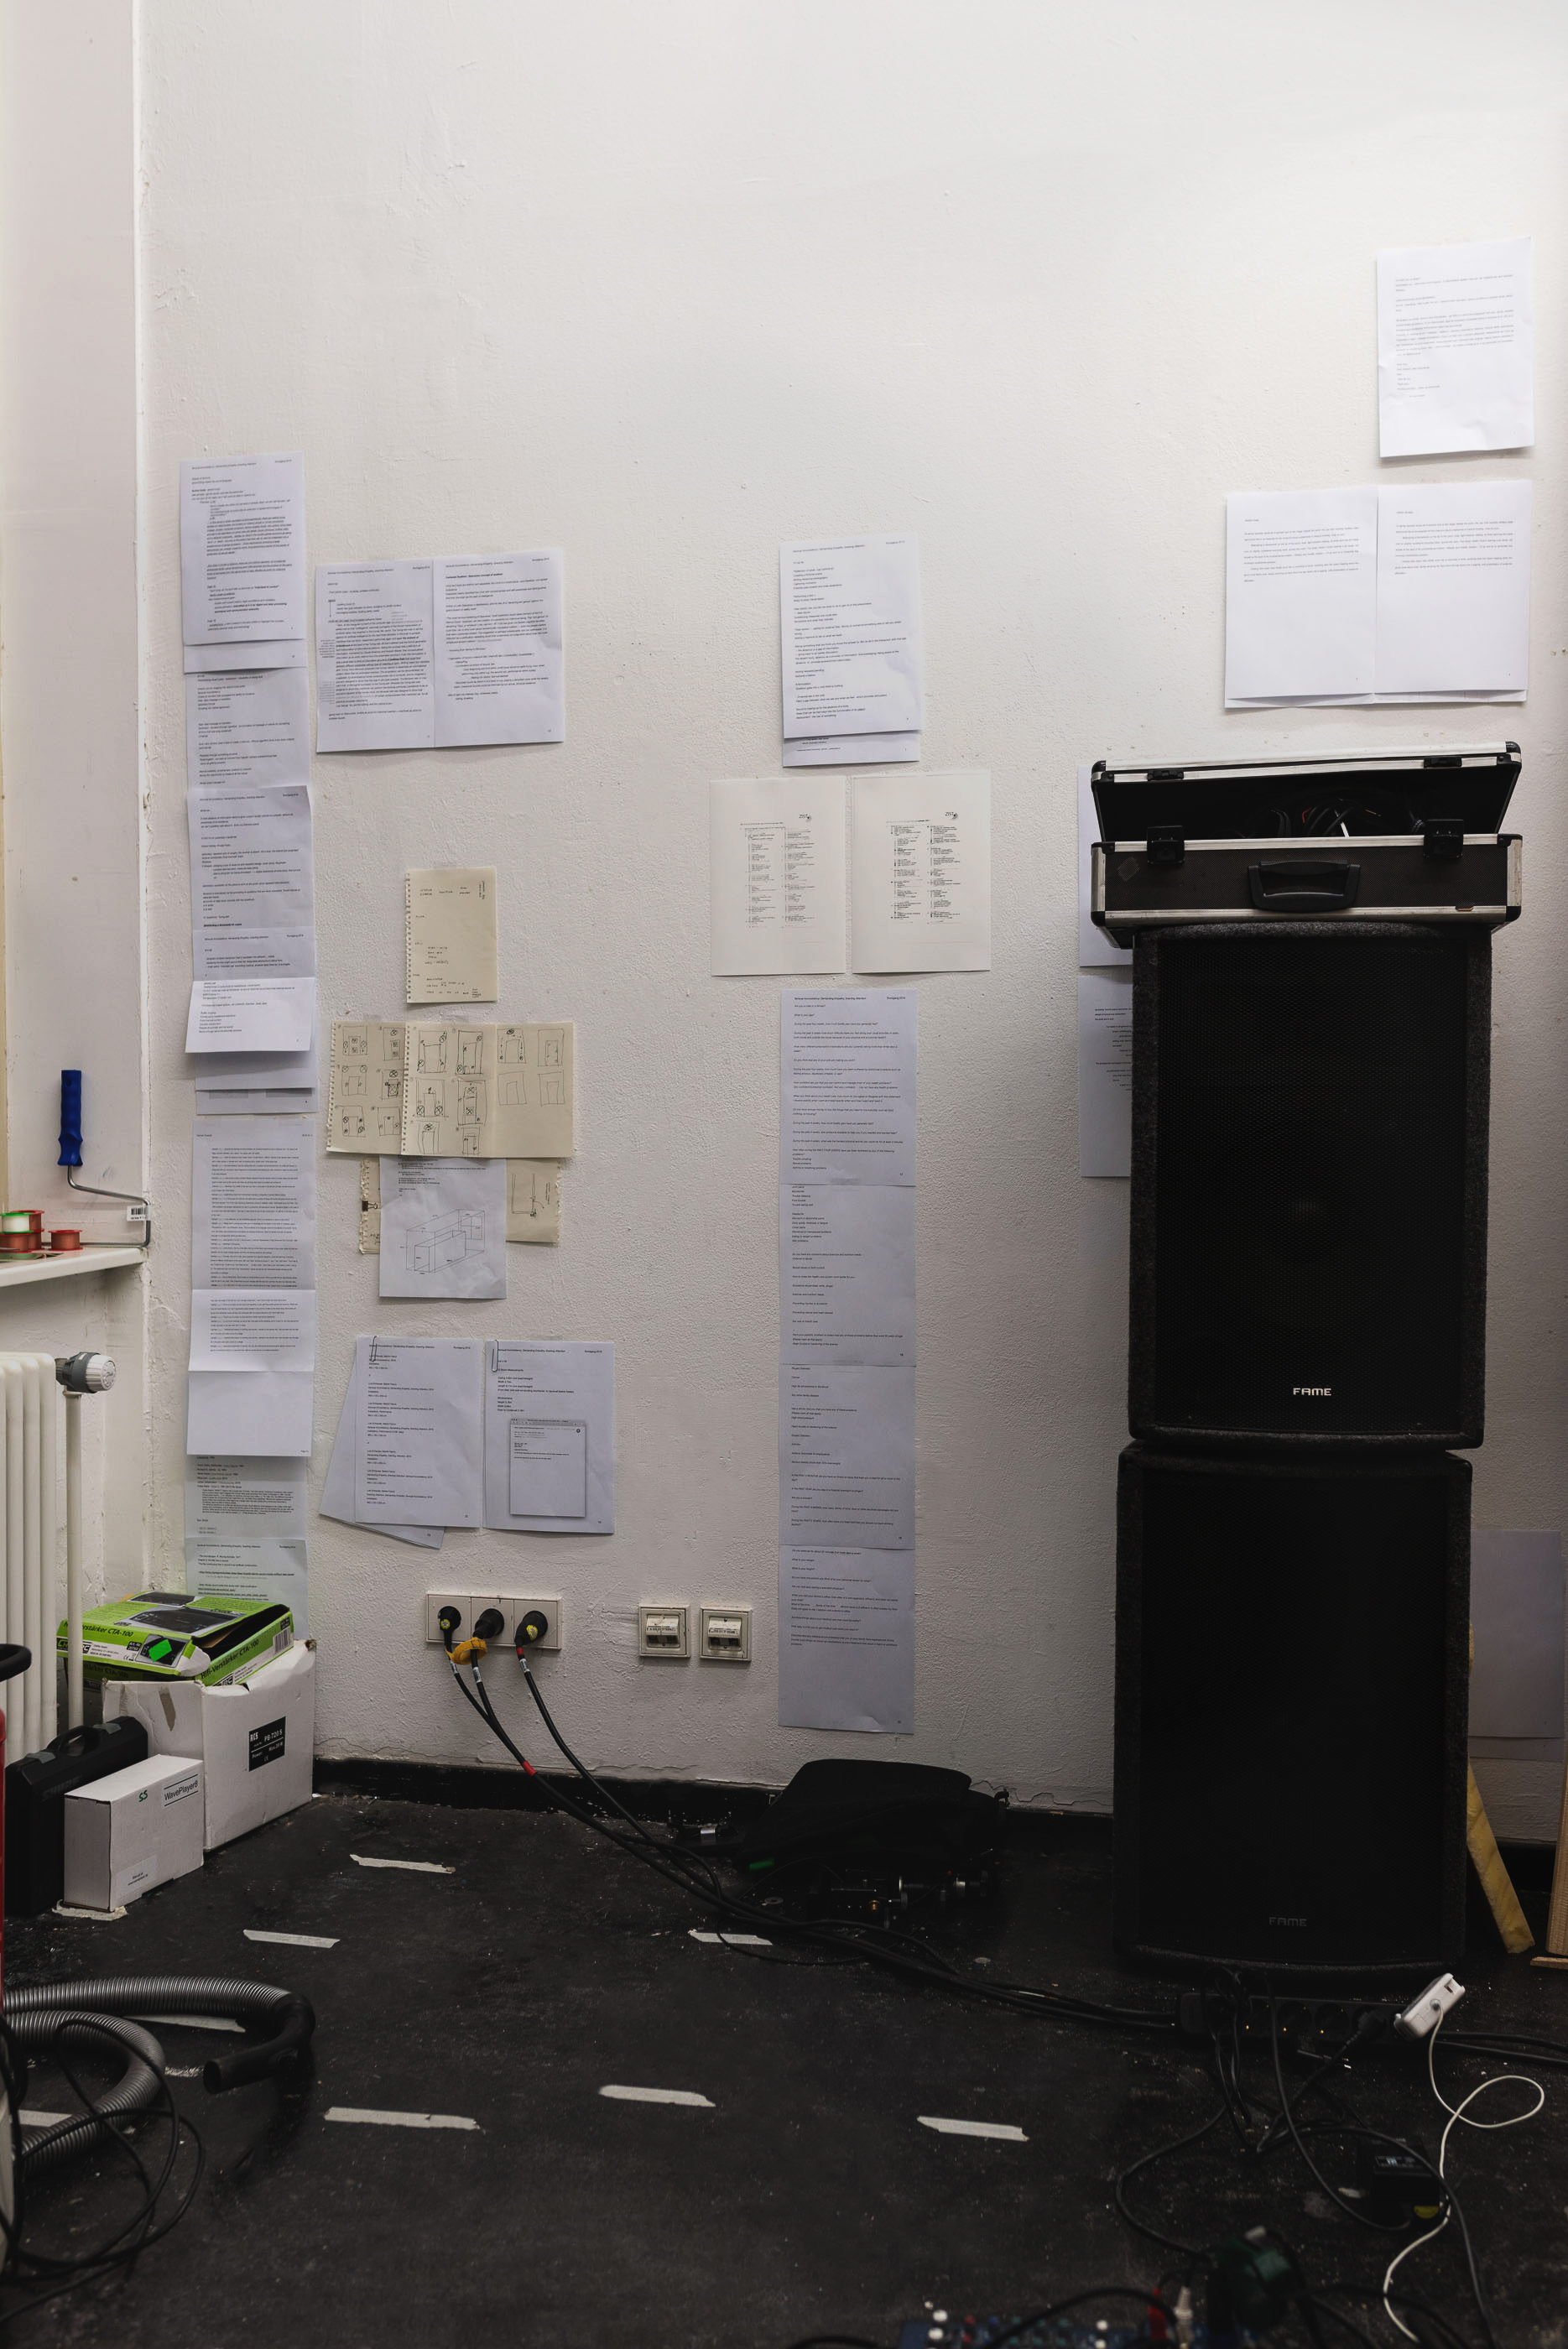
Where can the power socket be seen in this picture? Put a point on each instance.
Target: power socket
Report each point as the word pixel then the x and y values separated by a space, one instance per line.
pixel 552 1608
pixel 724 1635
pixel 470 1608
pixel 664 1630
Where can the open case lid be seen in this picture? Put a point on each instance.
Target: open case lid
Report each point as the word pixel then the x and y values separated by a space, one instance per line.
pixel 1349 793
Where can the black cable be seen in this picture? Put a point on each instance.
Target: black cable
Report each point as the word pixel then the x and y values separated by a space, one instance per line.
pixel 1380 2226
pixel 1176 2144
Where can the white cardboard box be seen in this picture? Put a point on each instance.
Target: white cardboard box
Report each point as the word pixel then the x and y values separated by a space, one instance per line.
pixel 126 1833
pixel 255 1740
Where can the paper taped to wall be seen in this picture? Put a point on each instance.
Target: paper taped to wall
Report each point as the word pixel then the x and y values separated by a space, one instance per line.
pixel 777 876
pixel 449 937
pixel 437 653
pixel 418 1427
pixel 241 548
pixel 247 729
pixel 847 1638
pixel 849 614
pixel 919 887
pixel 443 1227
pixel 1455 355
pixel 549 1436
pixel 491 1091
pixel 365 1086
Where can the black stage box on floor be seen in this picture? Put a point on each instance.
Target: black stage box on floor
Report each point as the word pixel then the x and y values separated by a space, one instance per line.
pixel 1292 1654
pixel 1309 1185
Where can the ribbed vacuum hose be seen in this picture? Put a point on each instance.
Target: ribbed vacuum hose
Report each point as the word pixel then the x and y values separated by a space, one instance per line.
pixel 139 2085
pixel 288 2018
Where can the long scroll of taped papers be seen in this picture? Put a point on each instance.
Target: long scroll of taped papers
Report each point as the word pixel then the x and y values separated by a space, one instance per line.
pixel 846 1359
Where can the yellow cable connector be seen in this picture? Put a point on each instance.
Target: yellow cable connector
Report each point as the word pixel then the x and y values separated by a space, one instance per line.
pixel 467 1650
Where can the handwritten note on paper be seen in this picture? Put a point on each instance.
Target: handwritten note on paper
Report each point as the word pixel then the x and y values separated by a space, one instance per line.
pixel 365 1087
pixel 492 1092
pixel 450 943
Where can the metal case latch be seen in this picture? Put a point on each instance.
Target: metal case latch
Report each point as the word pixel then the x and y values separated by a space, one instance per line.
pixel 1443 839
pixel 1166 846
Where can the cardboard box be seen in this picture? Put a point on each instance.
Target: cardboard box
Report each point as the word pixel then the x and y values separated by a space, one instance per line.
pixel 255 1740
pixel 174 1635
pixel 126 1833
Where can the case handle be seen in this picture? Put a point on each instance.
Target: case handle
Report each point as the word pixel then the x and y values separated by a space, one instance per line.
pixel 1298 887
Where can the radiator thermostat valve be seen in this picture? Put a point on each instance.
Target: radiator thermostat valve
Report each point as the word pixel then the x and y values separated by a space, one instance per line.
pixel 85 1373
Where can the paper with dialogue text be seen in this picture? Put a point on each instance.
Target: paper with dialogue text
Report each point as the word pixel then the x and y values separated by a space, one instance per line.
pixel 418 1431
pixel 549 1436
pixel 851 631
pixel 252 1283
pixel 450 935
pixel 245 1532
pixel 919 887
pixel 251 1014
pixel 1105 1072
pixel 247 729
pixel 338 1489
pixel 777 876
pixel 1455 347
pixel 847 1638
pixel 253 886
pixel 241 549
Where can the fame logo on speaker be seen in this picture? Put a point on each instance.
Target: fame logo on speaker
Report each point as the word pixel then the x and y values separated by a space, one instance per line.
pixel 1312 1390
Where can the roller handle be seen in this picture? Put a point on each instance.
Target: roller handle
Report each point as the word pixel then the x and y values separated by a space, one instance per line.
pixel 70 1118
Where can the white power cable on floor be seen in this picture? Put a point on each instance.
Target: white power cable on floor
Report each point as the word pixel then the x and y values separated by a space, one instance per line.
pixel 1457 2113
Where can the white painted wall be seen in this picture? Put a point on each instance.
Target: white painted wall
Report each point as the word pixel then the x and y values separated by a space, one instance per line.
pixel 70 736
pixel 664 286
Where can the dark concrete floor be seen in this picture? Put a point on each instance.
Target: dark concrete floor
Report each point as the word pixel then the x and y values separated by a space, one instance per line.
pixel 809 2198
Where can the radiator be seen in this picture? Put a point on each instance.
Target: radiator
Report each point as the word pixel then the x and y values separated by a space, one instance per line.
pixel 29 1579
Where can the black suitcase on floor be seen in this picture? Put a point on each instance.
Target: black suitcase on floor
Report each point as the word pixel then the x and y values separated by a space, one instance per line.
pixel 36 1791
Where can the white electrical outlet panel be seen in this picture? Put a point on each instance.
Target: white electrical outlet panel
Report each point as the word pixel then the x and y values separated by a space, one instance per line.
pixel 724 1635
pixel 551 1609
pixel 434 1602
pixel 663 1629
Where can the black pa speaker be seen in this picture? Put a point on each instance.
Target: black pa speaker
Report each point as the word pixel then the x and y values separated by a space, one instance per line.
pixel 1308 1175
pixel 1292 1657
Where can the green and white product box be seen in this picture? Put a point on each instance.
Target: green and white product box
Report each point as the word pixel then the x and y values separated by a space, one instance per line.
pixel 172 1635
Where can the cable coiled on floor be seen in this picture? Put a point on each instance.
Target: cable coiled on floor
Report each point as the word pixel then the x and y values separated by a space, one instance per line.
pixel 139 2086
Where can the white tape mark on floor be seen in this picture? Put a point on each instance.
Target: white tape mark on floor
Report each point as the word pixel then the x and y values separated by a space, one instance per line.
pixel 732 1941
pixel 415 1866
pixel 183 2071
pixel 973 2128
pixel 398 2120
pixel 30 2119
pixel 294 1940
pixel 196 2021
pixel 657 2096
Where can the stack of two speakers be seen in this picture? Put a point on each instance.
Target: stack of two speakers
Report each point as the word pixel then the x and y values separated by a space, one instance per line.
pixel 1310 1104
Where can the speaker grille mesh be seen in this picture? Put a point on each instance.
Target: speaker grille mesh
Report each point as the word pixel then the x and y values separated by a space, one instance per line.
pixel 1313 1153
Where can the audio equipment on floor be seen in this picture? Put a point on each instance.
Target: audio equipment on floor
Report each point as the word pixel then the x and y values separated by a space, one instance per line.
pixel 1309 1183
pixel 1291 1637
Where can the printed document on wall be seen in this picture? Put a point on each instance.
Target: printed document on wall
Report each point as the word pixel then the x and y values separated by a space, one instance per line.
pixel 375 671
pixel 1300 594
pixel 1105 1072
pixel 275 1572
pixel 1455 347
pixel 919 886
pixel 849 612
pixel 419 1432
pixel 1096 947
pixel 443 1227
pixel 549 1436
pixel 777 876
pixel 847 1085
pixel 499 673
pixel 847 1273
pixel 449 935
pixel 847 1638
pixel 247 729
pixel 851 750
pixel 251 1014
pixel 241 548
pixel 1453 589
pixel 253 887
pixel 338 1490
pixel 847 1456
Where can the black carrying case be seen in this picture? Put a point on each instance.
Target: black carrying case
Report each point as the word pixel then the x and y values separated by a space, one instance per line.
pixel 1405 835
pixel 36 1791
